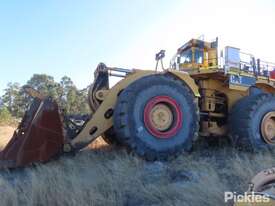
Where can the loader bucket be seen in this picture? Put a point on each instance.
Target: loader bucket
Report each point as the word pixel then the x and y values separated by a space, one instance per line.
pixel 38 138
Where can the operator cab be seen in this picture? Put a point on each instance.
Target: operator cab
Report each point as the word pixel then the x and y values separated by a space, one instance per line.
pixel 198 56
pixel 195 55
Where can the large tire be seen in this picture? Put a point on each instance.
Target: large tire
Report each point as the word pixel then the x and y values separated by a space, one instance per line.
pixel 110 137
pixel 246 119
pixel 131 117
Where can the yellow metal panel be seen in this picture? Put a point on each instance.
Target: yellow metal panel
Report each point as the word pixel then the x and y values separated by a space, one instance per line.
pixel 212 57
pixel 238 87
pixel 260 202
pixel 239 72
pixel 188 80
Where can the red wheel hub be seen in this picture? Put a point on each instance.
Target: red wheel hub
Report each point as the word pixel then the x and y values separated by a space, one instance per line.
pixel 162 117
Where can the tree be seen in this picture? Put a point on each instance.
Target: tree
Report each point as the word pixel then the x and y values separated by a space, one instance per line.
pixel 45 84
pixel 13 100
pixel 1 103
pixel 69 95
pixel 73 101
pixel 5 115
pixel 69 98
pixel 83 101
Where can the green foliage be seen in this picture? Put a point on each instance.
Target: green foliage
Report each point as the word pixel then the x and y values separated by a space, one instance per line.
pixel 45 84
pixel 70 99
pixel 13 99
pixel 5 116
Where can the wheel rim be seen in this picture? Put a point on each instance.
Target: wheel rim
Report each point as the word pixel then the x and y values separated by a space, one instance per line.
pixel 162 117
pixel 268 127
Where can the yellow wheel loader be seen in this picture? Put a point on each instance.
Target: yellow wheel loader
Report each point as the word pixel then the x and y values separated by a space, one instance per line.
pixel 159 114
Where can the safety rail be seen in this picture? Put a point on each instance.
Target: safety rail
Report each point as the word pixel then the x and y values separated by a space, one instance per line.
pixel 249 64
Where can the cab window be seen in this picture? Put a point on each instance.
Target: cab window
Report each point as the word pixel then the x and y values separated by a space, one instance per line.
pixel 186 57
pixel 198 56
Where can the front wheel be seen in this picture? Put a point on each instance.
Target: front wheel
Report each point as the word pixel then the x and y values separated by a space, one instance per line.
pixel 157 117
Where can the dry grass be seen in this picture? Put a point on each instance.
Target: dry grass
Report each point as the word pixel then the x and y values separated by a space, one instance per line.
pixel 110 176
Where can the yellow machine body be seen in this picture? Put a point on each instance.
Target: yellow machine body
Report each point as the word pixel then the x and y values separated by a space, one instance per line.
pixel 99 123
pixel 216 90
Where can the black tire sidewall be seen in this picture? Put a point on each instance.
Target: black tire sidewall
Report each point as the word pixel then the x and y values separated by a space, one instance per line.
pixel 246 119
pixel 139 93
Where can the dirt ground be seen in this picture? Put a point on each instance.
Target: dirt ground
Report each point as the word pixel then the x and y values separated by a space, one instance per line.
pixel 111 176
pixel 6 133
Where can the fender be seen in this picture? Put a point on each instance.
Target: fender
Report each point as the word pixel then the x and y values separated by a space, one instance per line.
pixel 185 77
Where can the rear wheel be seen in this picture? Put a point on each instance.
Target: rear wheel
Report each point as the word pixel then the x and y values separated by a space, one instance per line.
pixel 252 122
pixel 157 117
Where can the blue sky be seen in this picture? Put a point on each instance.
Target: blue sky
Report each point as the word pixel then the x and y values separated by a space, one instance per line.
pixel 70 38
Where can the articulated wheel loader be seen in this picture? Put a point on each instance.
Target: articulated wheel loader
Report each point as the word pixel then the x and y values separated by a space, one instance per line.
pixel 159 114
